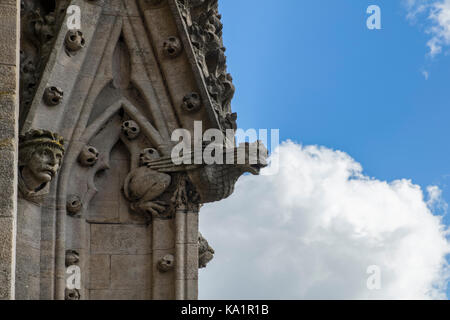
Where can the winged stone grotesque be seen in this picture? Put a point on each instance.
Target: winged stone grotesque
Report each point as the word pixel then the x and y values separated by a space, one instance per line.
pixel 213 182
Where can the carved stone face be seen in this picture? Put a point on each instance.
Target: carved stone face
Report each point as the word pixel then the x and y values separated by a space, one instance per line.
pixel 72 294
pixel 53 96
pixel 88 156
pixel 74 40
pixel 131 129
pixel 192 102
pixel 72 257
pixel 43 164
pixel 73 205
pixel 172 47
pixel 166 263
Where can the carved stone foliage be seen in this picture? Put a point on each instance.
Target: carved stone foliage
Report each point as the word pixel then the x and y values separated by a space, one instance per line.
pixel 205 252
pixel 40 156
pixel 185 195
pixel 202 20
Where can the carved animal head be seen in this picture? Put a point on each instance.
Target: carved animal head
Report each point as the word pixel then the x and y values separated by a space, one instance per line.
pixel 148 155
pixel 131 129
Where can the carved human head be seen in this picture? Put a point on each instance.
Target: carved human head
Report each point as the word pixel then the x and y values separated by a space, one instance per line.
pixel 40 155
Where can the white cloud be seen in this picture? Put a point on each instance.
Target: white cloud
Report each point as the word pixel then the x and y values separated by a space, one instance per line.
pixel 438 14
pixel 312 230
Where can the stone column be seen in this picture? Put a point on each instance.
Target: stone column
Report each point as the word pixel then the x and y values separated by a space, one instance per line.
pixel 9 110
pixel 186 254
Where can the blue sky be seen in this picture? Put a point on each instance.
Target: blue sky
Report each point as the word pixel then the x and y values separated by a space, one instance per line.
pixel 312 69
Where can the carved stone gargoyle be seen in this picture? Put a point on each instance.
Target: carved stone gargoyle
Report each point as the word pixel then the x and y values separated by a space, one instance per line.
pixel 40 156
pixel 212 182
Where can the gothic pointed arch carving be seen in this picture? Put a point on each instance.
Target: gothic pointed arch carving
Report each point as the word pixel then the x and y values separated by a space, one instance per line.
pixel 123 84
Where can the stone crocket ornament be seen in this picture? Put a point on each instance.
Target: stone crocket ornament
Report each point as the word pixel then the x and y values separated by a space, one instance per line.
pixel 205 252
pixel 40 156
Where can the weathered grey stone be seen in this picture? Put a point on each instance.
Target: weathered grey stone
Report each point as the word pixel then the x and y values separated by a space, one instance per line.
pixel 163 238
pixel 100 272
pixel 135 294
pixel 130 271
pixel 9 47
pixel 8 120
pixel 192 230
pixel 8 32
pixel 6 257
pixel 7 79
pixel 191 289
pixel 119 239
pixel 191 262
pixel 7 179
pixel 29 224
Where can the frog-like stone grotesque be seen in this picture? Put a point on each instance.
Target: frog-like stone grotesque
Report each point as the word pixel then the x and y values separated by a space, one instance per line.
pixel 144 185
